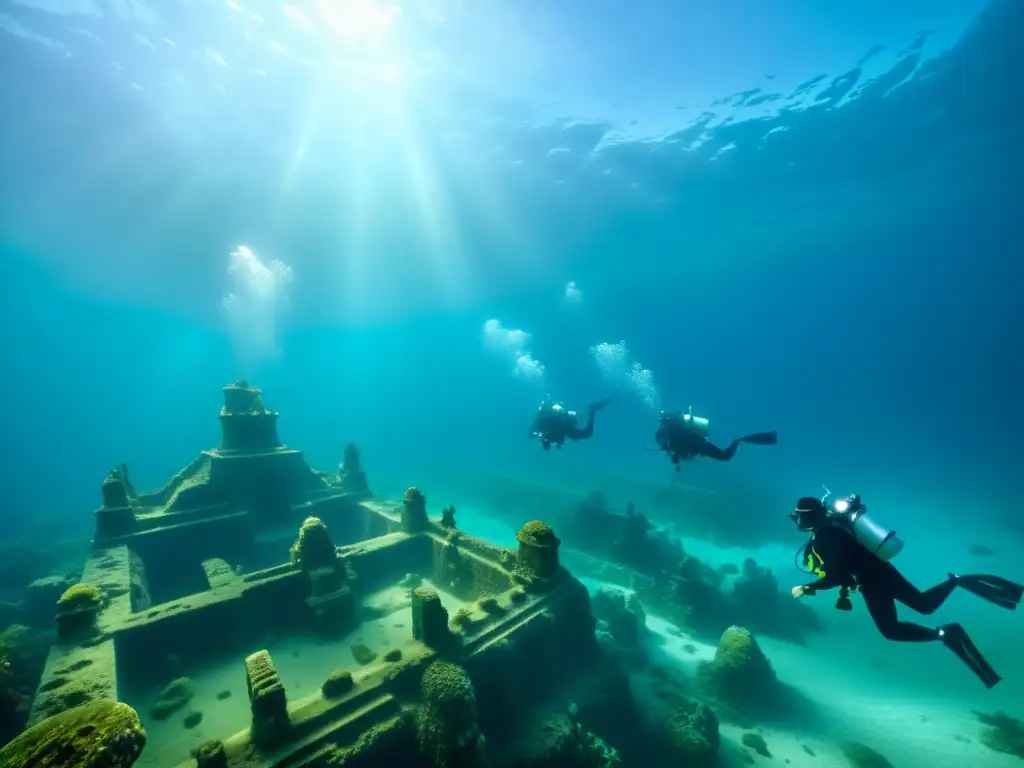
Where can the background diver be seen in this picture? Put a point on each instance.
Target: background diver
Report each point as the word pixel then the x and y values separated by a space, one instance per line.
pixel 849 550
pixel 555 424
pixel 684 436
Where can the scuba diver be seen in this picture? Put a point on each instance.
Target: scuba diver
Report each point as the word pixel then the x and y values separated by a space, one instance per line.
pixel 684 436
pixel 554 424
pixel 849 550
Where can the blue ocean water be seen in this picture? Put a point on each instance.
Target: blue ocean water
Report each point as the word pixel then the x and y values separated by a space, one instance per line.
pixel 794 216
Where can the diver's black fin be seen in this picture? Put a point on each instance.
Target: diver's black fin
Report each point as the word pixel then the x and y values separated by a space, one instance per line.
pixel 602 403
pixel 995 589
pixel 762 438
pixel 954 637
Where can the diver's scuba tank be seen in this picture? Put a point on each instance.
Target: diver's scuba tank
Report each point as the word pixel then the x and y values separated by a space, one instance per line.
pixel 696 423
pixel 878 539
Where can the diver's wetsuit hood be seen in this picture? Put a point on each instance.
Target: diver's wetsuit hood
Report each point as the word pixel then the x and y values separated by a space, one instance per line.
pixel 810 513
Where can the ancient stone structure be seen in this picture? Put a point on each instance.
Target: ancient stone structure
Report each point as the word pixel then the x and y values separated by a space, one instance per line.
pixel 248 543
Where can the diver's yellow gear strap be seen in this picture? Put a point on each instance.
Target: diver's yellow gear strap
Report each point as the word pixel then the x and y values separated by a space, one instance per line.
pixel 815 564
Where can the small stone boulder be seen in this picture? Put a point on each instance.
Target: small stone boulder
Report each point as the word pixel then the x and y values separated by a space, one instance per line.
pixel 173 697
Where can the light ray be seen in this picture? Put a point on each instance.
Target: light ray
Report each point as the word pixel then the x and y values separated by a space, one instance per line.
pixel 445 248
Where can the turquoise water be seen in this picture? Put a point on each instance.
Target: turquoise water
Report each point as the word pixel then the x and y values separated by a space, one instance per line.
pixel 410 223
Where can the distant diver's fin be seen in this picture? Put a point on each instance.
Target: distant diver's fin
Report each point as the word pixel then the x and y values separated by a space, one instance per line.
pixel 762 438
pixel 995 589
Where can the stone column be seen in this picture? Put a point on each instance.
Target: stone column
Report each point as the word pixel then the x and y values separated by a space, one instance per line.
pixel 429 619
pixel 414 511
pixel 538 550
pixel 267 699
pixel 246 427
pixel 115 517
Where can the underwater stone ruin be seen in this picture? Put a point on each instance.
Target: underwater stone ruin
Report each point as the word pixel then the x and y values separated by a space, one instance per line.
pixel 248 542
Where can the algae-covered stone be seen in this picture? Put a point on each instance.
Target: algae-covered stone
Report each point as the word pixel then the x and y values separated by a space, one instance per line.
pixel 77 610
pixel 338 683
pixel 100 734
pixel 447 726
pixel 740 675
pixel 691 735
pixel 1004 733
pixel 211 754
pixel 80 596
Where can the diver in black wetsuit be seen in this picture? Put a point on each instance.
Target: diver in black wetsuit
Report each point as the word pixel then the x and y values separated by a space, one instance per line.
pixel 684 436
pixel 554 424
pixel 849 550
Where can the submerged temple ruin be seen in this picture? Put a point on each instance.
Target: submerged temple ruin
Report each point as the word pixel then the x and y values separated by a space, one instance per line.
pixel 248 543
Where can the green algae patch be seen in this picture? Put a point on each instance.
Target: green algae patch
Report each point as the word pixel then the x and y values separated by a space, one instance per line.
pixel 100 734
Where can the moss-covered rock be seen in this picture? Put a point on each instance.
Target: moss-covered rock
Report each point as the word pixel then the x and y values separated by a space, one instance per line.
pixel 211 754
pixel 14 700
pixel 80 596
pixel 691 735
pixel 740 675
pixel 362 654
pixel 538 533
pixel 313 548
pixel 100 734
pixel 447 728
pixel 77 610
pixel 1002 733
pixel 338 683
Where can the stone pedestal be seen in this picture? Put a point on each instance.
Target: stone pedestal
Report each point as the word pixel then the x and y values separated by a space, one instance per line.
pixel 246 426
pixel 331 600
pixel 77 612
pixel 353 478
pixel 112 522
pixel 430 619
pixel 267 699
pixel 313 550
pixel 115 517
pixel 538 551
pixel 414 511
